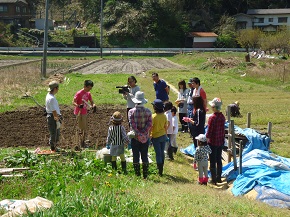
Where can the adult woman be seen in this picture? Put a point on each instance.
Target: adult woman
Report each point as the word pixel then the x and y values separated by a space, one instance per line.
pixel 215 138
pixel 182 104
pixel 198 119
pixel 158 133
pixel 133 88
pixel 141 122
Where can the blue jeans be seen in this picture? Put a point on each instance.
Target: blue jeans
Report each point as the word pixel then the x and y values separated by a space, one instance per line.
pixel 159 146
pixel 139 148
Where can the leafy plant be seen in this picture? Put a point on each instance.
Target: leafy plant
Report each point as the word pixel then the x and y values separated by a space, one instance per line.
pixel 21 158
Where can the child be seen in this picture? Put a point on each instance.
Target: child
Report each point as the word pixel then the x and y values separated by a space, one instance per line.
pixel 168 114
pixel 158 133
pixel 201 156
pixel 175 129
pixel 80 101
pixel 116 139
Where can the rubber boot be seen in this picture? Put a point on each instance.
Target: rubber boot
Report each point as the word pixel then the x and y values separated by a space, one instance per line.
pixel 170 152
pixel 114 165
pixel 185 128
pixel 124 167
pixel 137 169
pixel 213 176
pixel 175 150
pixel 205 180
pixel 160 169
pixel 145 168
pixel 200 180
pixel 219 174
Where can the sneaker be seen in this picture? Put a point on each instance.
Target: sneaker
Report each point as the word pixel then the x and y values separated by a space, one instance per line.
pixel 194 166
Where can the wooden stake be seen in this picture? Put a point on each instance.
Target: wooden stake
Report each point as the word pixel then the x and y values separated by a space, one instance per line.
pixel 249 120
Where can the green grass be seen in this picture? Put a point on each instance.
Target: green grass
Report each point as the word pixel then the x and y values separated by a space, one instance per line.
pixel 80 185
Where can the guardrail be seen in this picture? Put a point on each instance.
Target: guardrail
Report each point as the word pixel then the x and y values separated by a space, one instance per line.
pixel 120 51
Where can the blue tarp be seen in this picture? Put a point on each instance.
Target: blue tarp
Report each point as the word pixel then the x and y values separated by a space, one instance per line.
pixel 262 170
pixel 190 150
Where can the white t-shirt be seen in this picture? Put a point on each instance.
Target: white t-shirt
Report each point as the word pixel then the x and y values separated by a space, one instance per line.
pixel 175 124
pixel 169 119
pixel 51 104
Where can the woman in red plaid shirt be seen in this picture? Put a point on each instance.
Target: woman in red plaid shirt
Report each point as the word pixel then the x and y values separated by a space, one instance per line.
pixel 215 138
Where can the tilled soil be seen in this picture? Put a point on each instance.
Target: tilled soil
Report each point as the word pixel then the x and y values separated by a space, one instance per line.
pixel 134 66
pixel 28 128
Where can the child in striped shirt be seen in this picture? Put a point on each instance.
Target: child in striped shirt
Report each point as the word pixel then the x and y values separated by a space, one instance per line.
pixel 116 140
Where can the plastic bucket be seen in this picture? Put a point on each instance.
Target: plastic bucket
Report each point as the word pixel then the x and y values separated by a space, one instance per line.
pixel 107 158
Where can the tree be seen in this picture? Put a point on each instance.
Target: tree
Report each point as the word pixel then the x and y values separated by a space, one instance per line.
pixel 249 38
pixel 226 30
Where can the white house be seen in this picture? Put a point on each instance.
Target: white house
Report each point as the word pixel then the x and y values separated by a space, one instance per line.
pixel 265 19
pixel 203 39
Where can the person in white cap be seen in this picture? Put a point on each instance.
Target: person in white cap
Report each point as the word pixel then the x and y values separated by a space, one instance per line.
pixel 215 138
pixel 53 115
pixel 201 156
pixel 140 119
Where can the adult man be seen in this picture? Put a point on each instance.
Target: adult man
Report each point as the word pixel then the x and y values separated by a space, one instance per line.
pixel 160 87
pixel 140 119
pixel 80 101
pixel 53 115
pixel 199 91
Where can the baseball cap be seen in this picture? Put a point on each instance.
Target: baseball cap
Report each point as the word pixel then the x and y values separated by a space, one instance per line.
pixel 52 85
pixel 216 102
pixel 190 81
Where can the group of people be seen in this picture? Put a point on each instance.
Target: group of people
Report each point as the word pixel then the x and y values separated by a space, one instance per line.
pixel 192 104
pixel 158 128
pixel 82 102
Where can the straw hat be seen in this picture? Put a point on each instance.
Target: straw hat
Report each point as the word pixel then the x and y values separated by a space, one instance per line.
pixel 117 118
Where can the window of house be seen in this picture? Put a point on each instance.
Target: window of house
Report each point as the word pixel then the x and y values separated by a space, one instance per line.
pixel 24 10
pixel 270 20
pixel 282 19
pixel 260 20
pixel 17 9
pixel 3 8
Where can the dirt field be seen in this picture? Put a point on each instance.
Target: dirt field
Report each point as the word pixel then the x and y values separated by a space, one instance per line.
pixel 28 127
pixel 134 66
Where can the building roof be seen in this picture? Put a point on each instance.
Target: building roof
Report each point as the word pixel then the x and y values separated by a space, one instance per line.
pixel 12 1
pixel 268 11
pixel 203 34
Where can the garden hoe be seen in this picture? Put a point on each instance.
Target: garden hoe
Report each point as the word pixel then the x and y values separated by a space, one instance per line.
pixel 37 103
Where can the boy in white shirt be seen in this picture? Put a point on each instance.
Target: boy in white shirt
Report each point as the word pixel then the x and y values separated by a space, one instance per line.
pixel 175 130
pixel 168 114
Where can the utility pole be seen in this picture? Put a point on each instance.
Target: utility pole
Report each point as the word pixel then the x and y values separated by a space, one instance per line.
pixel 101 37
pixel 43 68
